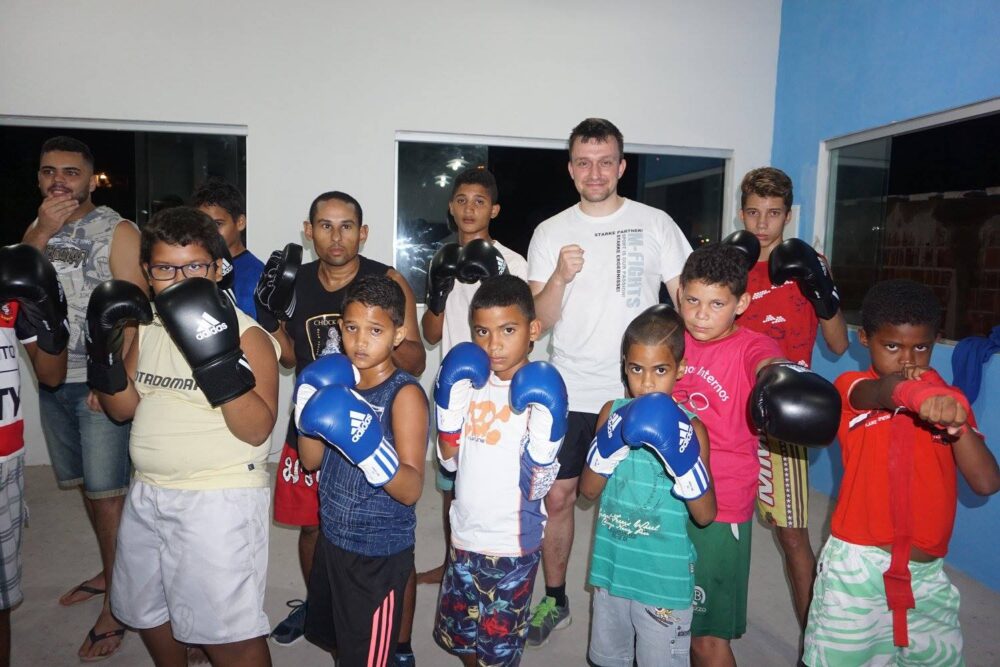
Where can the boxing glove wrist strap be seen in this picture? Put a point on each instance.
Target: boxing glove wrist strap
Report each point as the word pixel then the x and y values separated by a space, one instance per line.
pixel 107 379
pixel 225 378
pixel 692 484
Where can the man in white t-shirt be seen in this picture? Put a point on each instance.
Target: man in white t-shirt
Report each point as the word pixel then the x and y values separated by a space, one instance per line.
pixel 592 269
pixel 473 205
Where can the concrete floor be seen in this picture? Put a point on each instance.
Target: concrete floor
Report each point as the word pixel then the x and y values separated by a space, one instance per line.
pixel 60 551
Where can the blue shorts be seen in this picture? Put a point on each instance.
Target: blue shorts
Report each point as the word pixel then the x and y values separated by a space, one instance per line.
pixel 85 446
pixel 484 606
pixel 445 481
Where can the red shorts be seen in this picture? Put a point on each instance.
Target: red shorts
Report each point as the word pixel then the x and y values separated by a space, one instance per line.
pixel 296 494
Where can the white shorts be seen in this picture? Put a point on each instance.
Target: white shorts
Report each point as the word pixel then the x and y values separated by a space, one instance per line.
pixel 195 558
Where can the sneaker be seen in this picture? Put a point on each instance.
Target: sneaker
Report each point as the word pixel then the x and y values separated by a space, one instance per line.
pixel 405 660
pixel 293 628
pixel 547 617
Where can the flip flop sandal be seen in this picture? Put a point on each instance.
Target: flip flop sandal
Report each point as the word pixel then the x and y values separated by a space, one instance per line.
pixel 94 638
pixel 82 588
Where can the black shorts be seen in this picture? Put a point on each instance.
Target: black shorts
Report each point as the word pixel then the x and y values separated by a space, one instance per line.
pixel 573 453
pixel 349 596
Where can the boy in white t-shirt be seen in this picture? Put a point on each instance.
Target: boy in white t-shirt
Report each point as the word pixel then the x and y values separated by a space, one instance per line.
pixel 501 421
pixel 452 279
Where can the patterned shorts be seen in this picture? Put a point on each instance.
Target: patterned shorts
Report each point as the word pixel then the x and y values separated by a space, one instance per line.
pixel 13 512
pixel 783 483
pixel 850 622
pixel 485 605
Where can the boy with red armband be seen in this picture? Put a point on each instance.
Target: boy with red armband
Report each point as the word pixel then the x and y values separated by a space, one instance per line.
pixel 881 594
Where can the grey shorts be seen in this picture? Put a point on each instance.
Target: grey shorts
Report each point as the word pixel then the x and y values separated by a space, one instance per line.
pixel 86 448
pixel 13 513
pixel 623 631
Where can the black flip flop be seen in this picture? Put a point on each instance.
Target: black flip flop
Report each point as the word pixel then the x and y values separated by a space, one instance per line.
pixel 94 638
pixel 83 588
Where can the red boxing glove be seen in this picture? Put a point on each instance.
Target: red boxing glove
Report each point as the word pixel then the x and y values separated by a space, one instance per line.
pixel 911 394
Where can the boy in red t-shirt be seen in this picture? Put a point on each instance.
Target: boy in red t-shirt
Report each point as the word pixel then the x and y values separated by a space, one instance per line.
pixel 730 379
pixel 882 595
pixel 781 310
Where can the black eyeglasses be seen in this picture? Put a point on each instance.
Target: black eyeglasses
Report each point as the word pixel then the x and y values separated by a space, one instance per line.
pixel 192 270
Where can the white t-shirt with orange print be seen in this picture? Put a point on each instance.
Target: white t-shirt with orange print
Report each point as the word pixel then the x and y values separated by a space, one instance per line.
pixel 490 515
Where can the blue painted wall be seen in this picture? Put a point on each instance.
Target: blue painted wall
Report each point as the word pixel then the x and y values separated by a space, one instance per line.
pixel 848 66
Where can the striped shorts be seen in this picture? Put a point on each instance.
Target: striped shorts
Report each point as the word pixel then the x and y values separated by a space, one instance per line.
pixel 13 512
pixel 783 483
pixel 850 623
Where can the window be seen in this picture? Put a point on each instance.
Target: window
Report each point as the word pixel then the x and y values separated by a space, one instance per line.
pixel 922 204
pixel 534 185
pixel 140 169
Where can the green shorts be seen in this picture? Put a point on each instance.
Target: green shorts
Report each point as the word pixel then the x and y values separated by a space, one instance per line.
pixel 850 622
pixel 721 577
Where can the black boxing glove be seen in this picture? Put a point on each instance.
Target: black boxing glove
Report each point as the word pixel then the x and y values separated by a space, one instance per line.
pixel 747 243
pixel 113 304
pixel 27 277
pixel 480 260
pixel 796 260
pixel 441 274
pixel 203 323
pixel 227 274
pixel 791 403
pixel 275 291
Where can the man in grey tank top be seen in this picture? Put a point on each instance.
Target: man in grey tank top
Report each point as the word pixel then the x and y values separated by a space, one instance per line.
pixel 87 245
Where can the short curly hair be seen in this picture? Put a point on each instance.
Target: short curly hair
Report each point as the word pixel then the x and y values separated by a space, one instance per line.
pixel 717 264
pixel 181 226
pixel 899 301
pixel 217 192
pixel 378 291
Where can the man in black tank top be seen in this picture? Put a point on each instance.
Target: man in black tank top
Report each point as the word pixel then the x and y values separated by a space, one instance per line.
pixel 337 232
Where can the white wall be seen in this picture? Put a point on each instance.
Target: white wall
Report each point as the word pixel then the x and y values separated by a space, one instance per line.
pixel 323 86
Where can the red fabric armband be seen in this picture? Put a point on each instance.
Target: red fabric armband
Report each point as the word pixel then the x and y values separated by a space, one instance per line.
pixel 450 439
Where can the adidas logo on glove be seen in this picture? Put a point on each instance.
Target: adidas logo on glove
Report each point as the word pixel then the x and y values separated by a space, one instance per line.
pixel 359 424
pixel 685 431
pixel 208 326
pixel 613 420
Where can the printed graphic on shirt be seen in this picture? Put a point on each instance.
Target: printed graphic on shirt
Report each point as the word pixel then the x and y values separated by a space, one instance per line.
pixel 697 401
pixel 484 425
pixel 630 264
pixel 323 334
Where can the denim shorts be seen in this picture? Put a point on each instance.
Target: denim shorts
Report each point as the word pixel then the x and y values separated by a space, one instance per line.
pixel 85 447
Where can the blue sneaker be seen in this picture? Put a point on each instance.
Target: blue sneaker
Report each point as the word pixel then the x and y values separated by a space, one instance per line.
pixel 405 660
pixel 293 628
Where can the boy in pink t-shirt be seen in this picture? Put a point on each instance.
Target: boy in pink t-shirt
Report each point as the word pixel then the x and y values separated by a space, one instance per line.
pixel 725 368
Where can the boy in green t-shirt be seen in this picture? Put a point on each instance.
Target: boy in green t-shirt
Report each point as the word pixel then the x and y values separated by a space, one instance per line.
pixel 643 561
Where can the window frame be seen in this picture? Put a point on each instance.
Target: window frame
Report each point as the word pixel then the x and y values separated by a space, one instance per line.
pixel 413 136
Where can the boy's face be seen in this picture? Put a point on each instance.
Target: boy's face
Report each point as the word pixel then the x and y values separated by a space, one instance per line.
pixel 765 218
pixel 368 335
pixel 595 167
pixel 472 209
pixel 893 347
pixel 709 311
pixel 650 369
pixel 196 261
pixel 229 229
pixel 63 173
pixel 335 232
pixel 506 335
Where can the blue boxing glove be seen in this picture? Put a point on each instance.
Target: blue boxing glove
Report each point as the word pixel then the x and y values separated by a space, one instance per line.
pixel 608 448
pixel 655 421
pixel 339 415
pixel 326 371
pixel 464 368
pixel 539 385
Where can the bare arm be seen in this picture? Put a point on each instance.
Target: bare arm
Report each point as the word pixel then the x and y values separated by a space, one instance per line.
pixel 834 332
pixel 124 264
pixel 409 426
pixel 703 509
pixel 286 344
pixel 50 369
pixel 432 326
pixel 251 417
pixel 409 355
pixel 311 452
pixel 673 285
pixel 592 484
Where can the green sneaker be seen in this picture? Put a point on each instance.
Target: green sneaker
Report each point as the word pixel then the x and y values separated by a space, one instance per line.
pixel 546 618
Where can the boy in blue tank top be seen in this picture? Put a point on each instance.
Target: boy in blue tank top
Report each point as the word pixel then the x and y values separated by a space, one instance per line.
pixel 643 561
pixel 363 423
